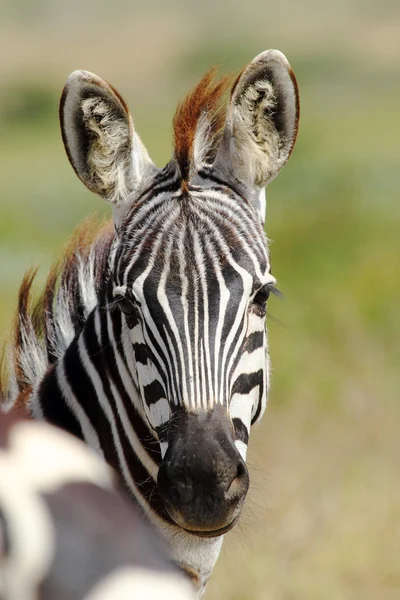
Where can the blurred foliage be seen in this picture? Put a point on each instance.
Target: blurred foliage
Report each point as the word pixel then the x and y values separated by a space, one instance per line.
pixel 323 518
pixel 27 105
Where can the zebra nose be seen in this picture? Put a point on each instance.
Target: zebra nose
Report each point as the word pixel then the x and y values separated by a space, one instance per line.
pixel 203 479
pixel 239 483
pixel 203 496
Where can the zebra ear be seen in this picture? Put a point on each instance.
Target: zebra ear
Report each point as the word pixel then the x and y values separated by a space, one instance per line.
pixel 262 121
pixel 97 130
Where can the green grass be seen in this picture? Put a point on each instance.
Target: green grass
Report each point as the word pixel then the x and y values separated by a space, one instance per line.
pixel 322 520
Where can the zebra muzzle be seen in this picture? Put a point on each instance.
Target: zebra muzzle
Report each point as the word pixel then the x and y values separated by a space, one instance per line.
pixel 203 480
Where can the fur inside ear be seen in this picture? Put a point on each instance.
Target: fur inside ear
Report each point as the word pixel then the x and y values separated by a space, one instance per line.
pixel 98 135
pixel 262 120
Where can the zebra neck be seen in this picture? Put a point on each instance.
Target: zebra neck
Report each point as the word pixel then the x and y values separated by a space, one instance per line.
pixel 91 393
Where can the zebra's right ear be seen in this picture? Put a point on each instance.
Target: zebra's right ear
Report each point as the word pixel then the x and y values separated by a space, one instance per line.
pixel 97 130
pixel 261 123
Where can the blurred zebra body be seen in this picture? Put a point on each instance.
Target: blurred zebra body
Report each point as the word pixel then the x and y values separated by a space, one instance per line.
pixel 65 532
pixel 149 341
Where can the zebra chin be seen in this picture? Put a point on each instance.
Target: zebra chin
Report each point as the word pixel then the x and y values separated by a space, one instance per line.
pixel 212 529
pixel 203 479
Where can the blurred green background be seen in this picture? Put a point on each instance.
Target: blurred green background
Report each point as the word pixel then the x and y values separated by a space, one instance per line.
pixel 323 517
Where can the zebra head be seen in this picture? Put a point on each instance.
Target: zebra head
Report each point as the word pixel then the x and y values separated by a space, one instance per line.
pixel 191 272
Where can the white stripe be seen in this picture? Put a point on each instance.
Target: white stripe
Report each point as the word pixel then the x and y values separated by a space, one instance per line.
pixel 200 264
pixel 242 448
pixel 197 366
pixel 184 300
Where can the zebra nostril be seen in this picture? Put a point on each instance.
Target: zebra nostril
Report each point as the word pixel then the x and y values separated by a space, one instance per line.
pixel 239 483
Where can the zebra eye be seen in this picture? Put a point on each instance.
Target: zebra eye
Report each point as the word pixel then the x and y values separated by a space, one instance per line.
pixel 125 306
pixel 264 293
pixel 262 296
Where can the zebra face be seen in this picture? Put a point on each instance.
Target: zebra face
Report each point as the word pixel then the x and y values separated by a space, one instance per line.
pixel 192 289
pixel 190 271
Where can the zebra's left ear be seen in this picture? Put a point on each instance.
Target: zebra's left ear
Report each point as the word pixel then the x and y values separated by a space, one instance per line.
pixel 262 121
pixel 102 146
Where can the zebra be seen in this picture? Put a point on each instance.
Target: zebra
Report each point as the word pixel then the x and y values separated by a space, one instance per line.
pixel 66 532
pixel 149 340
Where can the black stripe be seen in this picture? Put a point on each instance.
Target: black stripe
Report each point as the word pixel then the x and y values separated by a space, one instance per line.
pixel 142 353
pixel 260 396
pixel 254 341
pixel 158 185
pixel 241 432
pixel 247 381
pixel 53 405
pixel 153 392
pixel 84 389
pixel 210 175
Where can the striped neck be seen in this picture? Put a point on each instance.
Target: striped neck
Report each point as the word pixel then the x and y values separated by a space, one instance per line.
pixel 98 402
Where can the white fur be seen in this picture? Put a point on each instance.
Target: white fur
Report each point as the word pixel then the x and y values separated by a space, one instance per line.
pixel 262 204
pixel 129 583
pixel 63 327
pixel 160 412
pixel 29 528
pixel 87 282
pixel 109 157
pixel 252 145
pixel 48 457
pixel 39 459
pixel 12 390
pixel 242 448
pixel 33 359
pixel 194 553
pixel 255 140
pixel 202 141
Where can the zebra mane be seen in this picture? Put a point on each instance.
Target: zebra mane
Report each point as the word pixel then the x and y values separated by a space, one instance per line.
pixel 44 328
pixel 199 120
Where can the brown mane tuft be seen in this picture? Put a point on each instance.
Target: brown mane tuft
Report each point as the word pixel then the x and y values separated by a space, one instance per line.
pixel 36 325
pixel 208 98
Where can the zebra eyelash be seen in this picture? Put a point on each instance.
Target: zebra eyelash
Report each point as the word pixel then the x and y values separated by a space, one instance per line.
pixel 275 291
pixel 262 295
pixel 125 305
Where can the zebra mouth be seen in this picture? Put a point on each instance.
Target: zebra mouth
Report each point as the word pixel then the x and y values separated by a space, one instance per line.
pixel 214 532
pixel 198 527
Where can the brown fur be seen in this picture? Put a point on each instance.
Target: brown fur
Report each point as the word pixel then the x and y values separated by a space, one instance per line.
pixel 296 87
pixel 208 97
pixel 39 316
